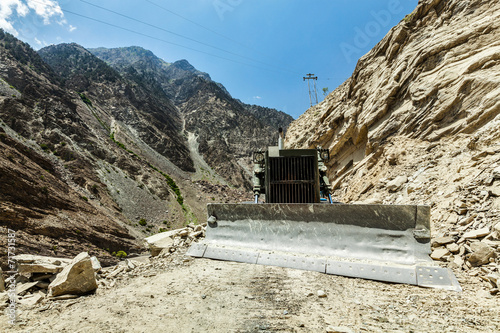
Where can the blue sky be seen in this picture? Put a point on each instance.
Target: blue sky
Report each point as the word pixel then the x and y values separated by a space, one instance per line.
pixel 260 50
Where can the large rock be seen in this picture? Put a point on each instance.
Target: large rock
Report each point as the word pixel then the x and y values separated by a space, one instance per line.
pixel 76 279
pixel 28 263
pixel 496 173
pixel 477 233
pixel 163 240
pixel 481 254
pixel 396 183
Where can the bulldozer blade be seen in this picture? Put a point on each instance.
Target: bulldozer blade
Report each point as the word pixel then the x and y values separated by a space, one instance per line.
pixel 379 242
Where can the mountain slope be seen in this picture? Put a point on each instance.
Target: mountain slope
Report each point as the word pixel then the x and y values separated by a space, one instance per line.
pixel 153 117
pixel 94 159
pixel 46 178
pixel 433 75
pixel 222 131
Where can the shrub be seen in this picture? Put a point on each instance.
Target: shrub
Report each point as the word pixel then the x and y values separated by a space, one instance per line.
pixel 143 222
pixel 121 254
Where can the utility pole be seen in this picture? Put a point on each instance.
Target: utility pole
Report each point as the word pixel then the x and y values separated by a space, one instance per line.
pixel 314 78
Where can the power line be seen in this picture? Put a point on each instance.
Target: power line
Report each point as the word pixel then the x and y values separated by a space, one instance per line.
pixel 161 40
pixel 210 30
pixel 182 36
pixel 196 23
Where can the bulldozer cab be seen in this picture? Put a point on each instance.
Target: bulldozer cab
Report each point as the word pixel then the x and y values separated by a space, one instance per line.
pixel 291 175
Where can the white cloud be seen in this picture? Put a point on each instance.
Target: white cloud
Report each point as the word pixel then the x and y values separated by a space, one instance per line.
pixel 7 8
pixel 71 28
pixel 46 9
pixel 257 97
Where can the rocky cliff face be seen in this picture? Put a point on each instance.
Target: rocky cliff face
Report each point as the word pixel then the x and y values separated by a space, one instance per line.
pixel 434 75
pixel 222 132
pixel 418 122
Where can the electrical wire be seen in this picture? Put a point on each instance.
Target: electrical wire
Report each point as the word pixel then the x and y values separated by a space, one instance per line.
pixel 164 41
pixel 210 30
pixel 186 37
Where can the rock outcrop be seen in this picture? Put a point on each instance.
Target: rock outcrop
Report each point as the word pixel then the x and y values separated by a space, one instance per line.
pixel 436 74
pixel 419 122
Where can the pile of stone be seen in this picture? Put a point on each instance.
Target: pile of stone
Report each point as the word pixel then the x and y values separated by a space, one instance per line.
pixel 164 243
pixel 472 242
pixel 465 214
pixel 52 278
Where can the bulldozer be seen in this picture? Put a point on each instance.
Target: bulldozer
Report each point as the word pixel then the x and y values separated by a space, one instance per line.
pixel 298 225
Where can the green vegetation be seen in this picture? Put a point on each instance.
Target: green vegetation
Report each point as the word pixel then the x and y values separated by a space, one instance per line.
pixel 44 146
pixel 120 254
pixel 85 198
pixel 409 17
pixel 85 99
pixel 143 222
pixel 118 143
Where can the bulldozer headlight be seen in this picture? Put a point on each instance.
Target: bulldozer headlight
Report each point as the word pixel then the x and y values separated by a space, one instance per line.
pixel 325 154
pixel 258 157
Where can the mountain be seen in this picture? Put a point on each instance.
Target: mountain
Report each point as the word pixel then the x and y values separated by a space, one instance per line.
pixel 418 122
pixel 93 158
pixel 151 116
pixel 222 131
pixel 50 192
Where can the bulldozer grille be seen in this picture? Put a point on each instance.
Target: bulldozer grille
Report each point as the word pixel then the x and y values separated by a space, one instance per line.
pixel 292 179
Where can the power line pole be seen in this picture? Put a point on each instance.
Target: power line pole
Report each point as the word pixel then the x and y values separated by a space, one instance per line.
pixel 314 78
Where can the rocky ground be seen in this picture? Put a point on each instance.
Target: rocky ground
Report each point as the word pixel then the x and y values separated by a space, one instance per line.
pixel 176 293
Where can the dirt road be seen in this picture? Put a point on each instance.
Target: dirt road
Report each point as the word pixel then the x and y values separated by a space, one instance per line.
pixel 181 294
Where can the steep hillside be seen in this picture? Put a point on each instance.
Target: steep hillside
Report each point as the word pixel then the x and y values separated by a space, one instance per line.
pixel 153 117
pixel 221 130
pixel 50 192
pixel 419 122
pixel 90 160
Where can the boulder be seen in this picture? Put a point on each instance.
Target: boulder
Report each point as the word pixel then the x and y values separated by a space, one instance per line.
pixel 442 241
pixel 396 183
pixel 477 233
pixel 158 242
pixel 453 248
pixel 29 264
pixel 494 190
pixel 496 173
pixel 481 254
pixel 77 278
pixel 32 299
pixel 439 253
pixel 22 288
pixel 494 280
